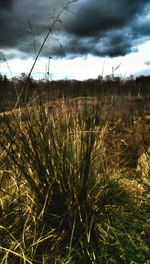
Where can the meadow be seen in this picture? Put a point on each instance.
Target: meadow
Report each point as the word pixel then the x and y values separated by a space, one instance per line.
pixel 75 172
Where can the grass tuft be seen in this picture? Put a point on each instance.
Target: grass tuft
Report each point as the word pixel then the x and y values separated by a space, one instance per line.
pixel 67 191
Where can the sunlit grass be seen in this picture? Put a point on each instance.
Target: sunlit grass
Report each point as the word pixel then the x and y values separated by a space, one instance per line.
pixel 70 191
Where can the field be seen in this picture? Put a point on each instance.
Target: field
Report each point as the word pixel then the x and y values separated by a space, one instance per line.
pixel 74 173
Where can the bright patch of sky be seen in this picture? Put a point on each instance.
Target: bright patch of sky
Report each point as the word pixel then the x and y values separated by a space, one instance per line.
pixel 84 67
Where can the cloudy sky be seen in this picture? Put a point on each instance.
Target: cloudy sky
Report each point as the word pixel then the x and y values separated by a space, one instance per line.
pixel 91 38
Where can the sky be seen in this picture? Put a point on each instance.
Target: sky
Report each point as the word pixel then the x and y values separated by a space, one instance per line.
pixel 90 38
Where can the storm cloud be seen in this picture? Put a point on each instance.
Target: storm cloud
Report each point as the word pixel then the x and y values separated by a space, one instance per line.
pixel 6 4
pixel 98 27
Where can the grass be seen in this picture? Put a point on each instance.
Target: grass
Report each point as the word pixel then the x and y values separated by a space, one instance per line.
pixel 70 190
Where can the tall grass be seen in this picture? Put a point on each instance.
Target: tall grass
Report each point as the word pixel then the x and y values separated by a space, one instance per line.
pixel 63 199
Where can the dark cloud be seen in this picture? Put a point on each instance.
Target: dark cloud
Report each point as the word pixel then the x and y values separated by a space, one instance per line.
pixel 97 27
pixel 98 16
pixel 95 45
pixel 27 22
pixel 6 4
pixel 110 25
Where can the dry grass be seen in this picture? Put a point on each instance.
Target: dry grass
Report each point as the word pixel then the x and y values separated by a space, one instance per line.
pixel 71 183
